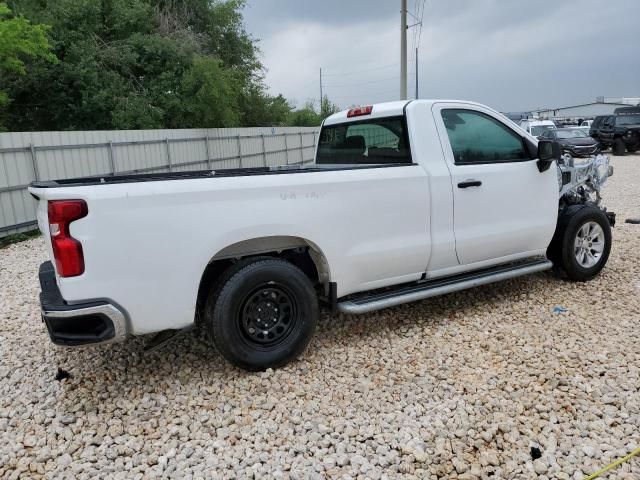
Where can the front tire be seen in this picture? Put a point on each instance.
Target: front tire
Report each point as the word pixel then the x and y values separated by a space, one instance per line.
pixel 262 314
pixel 618 147
pixel 582 242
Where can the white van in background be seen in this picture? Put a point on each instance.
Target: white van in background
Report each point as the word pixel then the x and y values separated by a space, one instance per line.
pixel 535 128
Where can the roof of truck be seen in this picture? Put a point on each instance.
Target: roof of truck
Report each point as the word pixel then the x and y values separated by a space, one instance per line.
pixel 387 109
pixel 535 123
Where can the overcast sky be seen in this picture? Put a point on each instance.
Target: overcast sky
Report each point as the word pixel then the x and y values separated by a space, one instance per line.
pixel 510 54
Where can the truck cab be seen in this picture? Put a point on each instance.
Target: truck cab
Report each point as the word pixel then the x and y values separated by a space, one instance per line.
pixel 488 202
pixel 535 128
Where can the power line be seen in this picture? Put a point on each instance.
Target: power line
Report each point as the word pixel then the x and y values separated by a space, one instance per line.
pixel 419 7
pixel 417 45
pixel 356 72
pixel 420 23
pixel 403 49
pixel 416 9
pixel 321 97
pixel 414 38
pixel 386 79
pixel 417 15
pixel 365 94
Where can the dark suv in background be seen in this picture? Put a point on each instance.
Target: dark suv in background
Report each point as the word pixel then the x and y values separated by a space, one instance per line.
pixel 620 132
pixel 593 129
pixel 574 141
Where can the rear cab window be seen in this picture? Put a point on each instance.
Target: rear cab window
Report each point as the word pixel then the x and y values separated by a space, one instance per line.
pixel 365 142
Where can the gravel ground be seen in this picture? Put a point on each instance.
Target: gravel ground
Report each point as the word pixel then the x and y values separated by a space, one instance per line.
pixel 463 386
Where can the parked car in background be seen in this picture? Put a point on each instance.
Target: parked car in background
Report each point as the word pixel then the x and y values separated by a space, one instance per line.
pixel 586 123
pixel 535 128
pixel 517 117
pixel 620 132
pixel 585 129
pixel 574 141
pixel 593 129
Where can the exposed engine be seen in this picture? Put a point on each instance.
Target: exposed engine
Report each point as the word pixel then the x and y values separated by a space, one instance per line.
pixel 580 182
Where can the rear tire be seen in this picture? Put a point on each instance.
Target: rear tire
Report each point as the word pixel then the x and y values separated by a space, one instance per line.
pixel 582 242
pixel 262 313
pixel 618 147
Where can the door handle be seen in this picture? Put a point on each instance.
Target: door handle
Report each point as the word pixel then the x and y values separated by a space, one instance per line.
pixel 469 183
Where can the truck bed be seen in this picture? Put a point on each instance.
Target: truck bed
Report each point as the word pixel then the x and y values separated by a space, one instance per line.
pixel 231 172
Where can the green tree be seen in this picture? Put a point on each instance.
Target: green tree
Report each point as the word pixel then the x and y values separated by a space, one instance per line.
pixel 262 110
pixel 142 64
pixel 19 41
pixel 307 116
pixel 211 95
pixel 304 117
pixel 327 108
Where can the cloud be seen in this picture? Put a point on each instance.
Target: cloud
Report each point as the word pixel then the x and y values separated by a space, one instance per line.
pixel 311 46
pixel 512 55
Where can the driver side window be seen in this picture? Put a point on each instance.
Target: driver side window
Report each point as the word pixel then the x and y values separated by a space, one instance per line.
pixel 478 138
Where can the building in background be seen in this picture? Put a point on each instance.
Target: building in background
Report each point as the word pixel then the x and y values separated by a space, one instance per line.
pixel 602 106
pixel 633 101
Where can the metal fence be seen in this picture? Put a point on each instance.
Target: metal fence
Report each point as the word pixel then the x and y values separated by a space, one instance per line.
pixel 29 156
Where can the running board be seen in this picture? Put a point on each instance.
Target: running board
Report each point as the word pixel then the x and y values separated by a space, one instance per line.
pixel 368 302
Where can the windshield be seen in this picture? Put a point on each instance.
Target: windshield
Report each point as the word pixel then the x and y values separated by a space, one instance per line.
pixel 540 129
pixel 628 120
pixel 564 133
pixel 374 141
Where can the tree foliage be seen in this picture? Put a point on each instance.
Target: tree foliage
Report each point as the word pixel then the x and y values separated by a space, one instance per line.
pixel 309 117
pixel 19 42
pixel 129 64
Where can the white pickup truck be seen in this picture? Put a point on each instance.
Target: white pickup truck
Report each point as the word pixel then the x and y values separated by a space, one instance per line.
pixel 405 201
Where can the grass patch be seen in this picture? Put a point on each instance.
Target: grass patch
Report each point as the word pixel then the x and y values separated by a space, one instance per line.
pixel 18 237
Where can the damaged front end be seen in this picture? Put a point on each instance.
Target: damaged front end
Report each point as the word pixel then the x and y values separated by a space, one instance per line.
pixel 580 182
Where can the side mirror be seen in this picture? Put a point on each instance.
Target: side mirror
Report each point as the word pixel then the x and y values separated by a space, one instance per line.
pixel 548 151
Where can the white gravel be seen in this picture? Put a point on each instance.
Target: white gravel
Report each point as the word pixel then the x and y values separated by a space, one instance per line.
pixel 461 386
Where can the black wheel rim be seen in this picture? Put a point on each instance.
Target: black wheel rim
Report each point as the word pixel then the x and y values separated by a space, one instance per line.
pixel 267 315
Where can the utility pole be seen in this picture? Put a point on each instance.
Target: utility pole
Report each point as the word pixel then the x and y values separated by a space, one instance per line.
pixel 417 94
pixel 403 51
pixel 321 97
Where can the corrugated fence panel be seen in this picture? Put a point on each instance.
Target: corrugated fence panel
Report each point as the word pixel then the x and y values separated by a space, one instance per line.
pixel 29 156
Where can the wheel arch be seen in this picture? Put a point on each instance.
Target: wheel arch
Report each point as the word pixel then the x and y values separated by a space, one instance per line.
pixel 303 253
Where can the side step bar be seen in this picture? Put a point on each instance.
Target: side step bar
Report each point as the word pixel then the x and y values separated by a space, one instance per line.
pixel 369 302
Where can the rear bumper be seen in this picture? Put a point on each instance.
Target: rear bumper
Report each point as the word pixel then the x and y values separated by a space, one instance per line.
pixel 89 323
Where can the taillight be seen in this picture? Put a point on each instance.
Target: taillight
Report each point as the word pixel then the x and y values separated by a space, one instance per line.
pixel 360 111
pixel 67 251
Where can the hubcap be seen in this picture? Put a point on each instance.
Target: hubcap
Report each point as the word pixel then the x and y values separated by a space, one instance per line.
pixel 589 244
pixel 267 315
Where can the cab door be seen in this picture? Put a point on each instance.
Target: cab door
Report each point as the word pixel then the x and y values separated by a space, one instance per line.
pixel 504 207
pixel 606 130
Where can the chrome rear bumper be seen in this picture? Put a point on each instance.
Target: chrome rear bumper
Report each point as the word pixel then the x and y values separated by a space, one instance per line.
pixel 90 323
